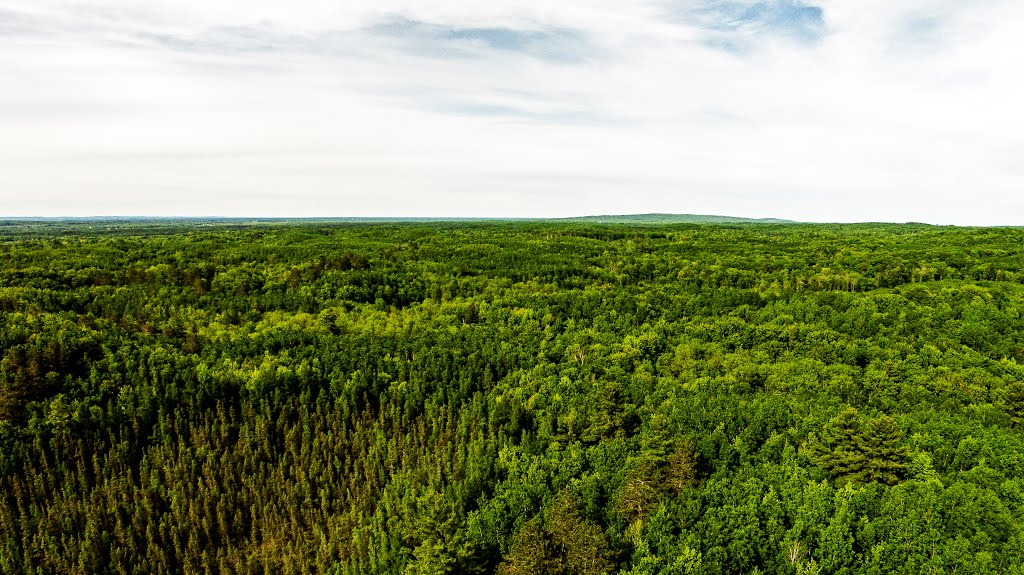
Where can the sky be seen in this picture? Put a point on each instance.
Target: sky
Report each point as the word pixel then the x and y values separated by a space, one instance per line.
pixel 824 110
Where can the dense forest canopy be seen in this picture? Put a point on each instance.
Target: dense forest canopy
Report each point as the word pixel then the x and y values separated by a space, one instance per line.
pixel 515 398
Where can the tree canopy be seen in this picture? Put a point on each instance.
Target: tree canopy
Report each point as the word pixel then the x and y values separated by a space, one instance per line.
pixel 513 397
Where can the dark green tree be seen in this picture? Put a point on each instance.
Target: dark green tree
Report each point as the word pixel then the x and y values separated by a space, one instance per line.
pixel 853 449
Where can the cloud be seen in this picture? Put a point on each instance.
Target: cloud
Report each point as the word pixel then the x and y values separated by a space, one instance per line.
pixel 822 110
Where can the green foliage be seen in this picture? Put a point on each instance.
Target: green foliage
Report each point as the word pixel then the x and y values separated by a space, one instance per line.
pixel 854 449
pixel 552 398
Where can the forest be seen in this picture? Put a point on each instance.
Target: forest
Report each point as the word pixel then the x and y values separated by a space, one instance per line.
pixel 513 398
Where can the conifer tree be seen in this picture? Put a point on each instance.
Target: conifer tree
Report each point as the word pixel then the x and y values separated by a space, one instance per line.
pixel 853 449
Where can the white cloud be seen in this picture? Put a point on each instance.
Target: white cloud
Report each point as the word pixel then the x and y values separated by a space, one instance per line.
pixel 899 111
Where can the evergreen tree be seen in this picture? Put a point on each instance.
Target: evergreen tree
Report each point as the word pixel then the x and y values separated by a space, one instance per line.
pixel 853 449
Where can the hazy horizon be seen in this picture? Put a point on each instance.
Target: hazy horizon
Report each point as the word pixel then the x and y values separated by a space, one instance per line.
pixel 816 111
pixel 590 218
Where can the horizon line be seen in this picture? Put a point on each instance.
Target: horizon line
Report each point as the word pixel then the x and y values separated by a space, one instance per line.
pixel 587 218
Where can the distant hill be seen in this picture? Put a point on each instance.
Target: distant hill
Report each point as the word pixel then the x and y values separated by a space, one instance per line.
pixel 675 219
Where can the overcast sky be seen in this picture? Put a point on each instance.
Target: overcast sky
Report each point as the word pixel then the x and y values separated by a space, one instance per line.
pixel 845 110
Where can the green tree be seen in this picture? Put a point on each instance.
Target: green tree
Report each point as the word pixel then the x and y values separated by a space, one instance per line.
pixel 853 449
pixel 580 542
pixel 531 552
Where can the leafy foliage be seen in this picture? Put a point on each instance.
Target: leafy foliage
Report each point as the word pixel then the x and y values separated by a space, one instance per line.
pixel 550 398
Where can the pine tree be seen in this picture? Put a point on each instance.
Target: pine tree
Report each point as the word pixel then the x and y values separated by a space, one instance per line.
pixel 581 543
pixel 531 552
pixel 885 452
pixel 855 450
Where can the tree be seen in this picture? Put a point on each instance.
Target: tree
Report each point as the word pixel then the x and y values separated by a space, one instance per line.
pixel 640 491
pixel 531 552
pixel 581 543
pixel 853 449
pixel 682 466
pixel 1013 398
pixel 884 451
